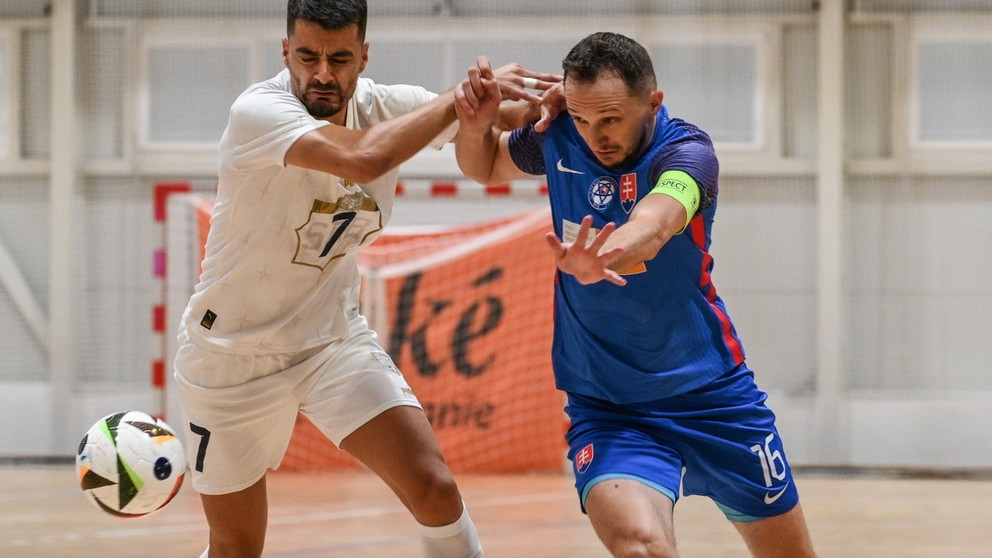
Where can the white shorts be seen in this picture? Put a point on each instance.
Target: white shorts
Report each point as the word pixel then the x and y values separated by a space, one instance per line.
pixel 239 410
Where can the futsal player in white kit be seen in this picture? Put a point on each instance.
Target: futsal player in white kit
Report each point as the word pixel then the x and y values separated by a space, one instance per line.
pixel 307 175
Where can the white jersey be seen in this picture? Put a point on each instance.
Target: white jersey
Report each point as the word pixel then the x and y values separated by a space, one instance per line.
pixel 279 273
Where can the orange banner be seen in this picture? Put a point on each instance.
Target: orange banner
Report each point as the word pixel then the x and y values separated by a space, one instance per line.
pixel 472 335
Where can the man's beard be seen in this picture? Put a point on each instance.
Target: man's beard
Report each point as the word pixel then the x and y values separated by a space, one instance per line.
pixel 323 108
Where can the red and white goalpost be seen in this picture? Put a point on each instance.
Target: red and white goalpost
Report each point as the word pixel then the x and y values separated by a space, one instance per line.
pixel 464 310
pixel 186 223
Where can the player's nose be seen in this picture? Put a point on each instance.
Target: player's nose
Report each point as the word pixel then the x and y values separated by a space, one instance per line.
pixel 324 74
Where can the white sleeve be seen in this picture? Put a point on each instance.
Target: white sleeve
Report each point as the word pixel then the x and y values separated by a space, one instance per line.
pixel 384 102
pixel 264 124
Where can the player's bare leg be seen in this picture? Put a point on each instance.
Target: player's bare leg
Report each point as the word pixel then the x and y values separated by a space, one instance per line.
pixel 632 519
pixel 399 446
pixel 237 522
pixel 783 536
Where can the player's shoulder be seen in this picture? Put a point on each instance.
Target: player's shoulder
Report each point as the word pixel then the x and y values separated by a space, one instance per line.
pixel 559 130
pixel 267 109
pixel 273 92
pixel 368 86
pixel 678 130
pixel 275 85
pixel 371 97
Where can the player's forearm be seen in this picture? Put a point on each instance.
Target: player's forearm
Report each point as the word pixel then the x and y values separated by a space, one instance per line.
pixel 387 144
pixel 652 224
pixel 640 244
pixel 363 155
pixel 513 115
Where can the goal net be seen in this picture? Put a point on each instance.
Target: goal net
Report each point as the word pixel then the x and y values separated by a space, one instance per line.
pixel 465 312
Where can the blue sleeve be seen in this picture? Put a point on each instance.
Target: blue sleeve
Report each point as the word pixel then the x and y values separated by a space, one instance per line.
pixel 692 154
pixel 525 150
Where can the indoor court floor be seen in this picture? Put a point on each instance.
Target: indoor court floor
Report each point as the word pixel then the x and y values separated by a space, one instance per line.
pixel 353 515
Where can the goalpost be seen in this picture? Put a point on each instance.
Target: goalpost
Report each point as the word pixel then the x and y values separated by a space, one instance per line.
pixel 465 312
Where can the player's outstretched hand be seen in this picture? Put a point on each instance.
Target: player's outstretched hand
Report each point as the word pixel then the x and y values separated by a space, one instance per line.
pixel 587 263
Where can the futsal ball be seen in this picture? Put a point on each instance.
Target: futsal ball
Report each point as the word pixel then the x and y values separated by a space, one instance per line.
pixel 130 464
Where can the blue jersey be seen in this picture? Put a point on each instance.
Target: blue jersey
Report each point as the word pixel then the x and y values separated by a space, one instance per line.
pixel 666 332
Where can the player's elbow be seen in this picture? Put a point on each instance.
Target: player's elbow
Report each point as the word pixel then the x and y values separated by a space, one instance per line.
pixel 474 169
pixel 651 249
pixel 368 164
pixel 479 176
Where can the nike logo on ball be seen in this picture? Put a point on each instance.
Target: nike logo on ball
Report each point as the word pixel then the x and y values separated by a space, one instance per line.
pixel 770 498
pixel 563 168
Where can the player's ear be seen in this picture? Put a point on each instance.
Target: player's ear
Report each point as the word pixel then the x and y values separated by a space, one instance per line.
pixel 365 57
pixel 285 51
pixel 657 96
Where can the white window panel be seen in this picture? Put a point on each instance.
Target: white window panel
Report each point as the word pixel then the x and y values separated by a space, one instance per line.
pixel 799 92
pixel 186 8
pixel 189 76
pixel 22 8
pixel 410 61
pixel 868 91
pixel 474 8
pixel 190 91
pixel 102 100
pixel 951 77
pixel 920 5
pixel 954 80
pixel 5 97
pixel 35 106
pixel 714 86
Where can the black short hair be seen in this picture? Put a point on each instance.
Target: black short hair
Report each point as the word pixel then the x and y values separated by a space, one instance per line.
pixel 614 53
pixel 329 14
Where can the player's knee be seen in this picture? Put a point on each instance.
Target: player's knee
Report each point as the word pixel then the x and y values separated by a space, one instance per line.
pixel 638 549
pixel 439 488
pixel 436 499
pixel 641 543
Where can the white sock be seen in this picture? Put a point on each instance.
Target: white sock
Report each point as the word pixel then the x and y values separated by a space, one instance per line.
pixel 206 553
pixel 457 540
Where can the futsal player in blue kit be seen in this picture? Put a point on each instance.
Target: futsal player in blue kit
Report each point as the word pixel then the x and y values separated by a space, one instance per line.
pixel 659 394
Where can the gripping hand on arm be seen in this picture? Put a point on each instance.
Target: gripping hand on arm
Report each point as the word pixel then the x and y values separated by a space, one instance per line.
pixel 481 148
pixel 477 101
pixel 482 144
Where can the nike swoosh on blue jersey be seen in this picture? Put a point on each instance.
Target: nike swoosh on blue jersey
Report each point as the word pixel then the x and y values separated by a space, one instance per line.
pixel 563 168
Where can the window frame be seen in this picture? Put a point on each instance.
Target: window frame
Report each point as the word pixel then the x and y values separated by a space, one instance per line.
pixel 158 35
pixel 761 155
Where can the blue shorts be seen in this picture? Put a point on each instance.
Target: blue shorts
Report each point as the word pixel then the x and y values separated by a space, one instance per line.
pixel 718 441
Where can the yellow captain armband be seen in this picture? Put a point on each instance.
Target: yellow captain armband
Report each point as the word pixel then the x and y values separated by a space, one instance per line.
pixel 683 188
